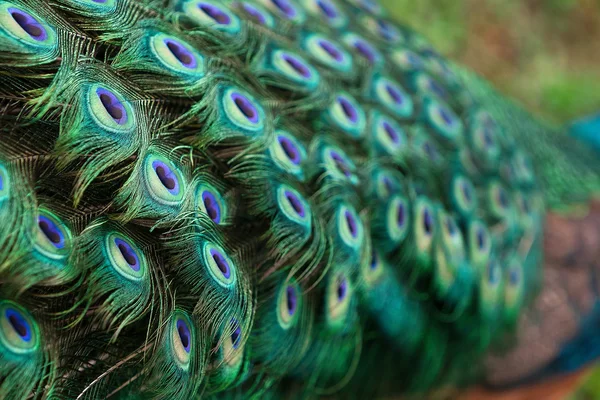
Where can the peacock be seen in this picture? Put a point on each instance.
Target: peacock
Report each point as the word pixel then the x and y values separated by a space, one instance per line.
pixel 232 199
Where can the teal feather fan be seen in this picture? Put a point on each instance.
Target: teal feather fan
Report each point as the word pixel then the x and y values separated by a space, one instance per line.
pixel 259 199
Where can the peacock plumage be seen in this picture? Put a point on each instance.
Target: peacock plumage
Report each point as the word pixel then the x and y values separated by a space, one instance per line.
pixel 277 199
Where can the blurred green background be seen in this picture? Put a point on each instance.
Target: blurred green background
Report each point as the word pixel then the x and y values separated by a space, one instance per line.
pixel 544 53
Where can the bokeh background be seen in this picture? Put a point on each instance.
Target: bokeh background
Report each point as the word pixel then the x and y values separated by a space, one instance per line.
pixel 543 53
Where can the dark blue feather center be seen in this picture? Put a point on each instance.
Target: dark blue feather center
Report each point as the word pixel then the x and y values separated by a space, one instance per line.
pixel 18 323
pixel 29 24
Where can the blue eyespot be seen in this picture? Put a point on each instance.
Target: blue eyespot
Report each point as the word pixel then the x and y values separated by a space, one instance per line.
pixel 221 263
pixel 374 261
pixel 185 57
pixel 113 106
pixel 286 9
pixel 290 149
pixel 212 15
pixel 220 267
pixel 427 221
pixel 167 177
pixel 52 232
pixel 236 335
pixel 297 65
pixel 296 203
pixel 184 335
pixel 19 324
pixel 29 24
pixel 128 254
pixel 292 300
pixel 258 15
pixel 363 48
pixel 125 257
pixel 212 206
pixel 342 288
pixel 215 13
pixel 52 238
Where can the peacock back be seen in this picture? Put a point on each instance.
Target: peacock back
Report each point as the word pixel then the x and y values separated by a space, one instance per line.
pixel 259 198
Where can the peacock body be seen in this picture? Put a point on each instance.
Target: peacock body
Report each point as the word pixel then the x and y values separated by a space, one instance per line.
pixel 271 199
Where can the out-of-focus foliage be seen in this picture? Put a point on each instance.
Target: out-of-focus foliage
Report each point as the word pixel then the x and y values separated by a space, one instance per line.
pixel 546 53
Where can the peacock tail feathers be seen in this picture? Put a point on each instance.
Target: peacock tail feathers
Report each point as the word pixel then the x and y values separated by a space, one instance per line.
pixel 259 198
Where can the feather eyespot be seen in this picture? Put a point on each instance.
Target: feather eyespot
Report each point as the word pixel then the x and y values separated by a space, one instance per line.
pixel 289 302
pixel 490 288
pixel 215 13
pixel 295 68
pixel 481 239
pixel 338 299
pixel 182 55
pixel 382 30
pixel 113 106
pixel 479 243
pixel 182 338
pixel 297 65
pixel 232 345
pixel 110 109
pixel 372 271
pixel 286 9
pixel 393 97
pixel 387 184
pixel 219 265
pixel 328 11
pixel 374 264
pixel 164 180
pixel 287 153
pixel 26 28
pixel 513 288
pixel 328 53
pixel 363 48
pixel 293 205
pixel 184 335
pixel 397 218
pixel 291 299
pixel 463 196
pixel 258 15
pixel 236 337
pixel 346 113
pixel 52 238
pixel 500 201
pixel 443 120
pixel 125 257
pixel 401 214
pixel 339 165
pixel 19 333
pixel 389 135
pixel 177 55
pixel 349 226
pixel 211 206
pixel 243 110
pixel 210 202
pixel 425 224
pixel 407 60
pixel 212 15
pixel 29 24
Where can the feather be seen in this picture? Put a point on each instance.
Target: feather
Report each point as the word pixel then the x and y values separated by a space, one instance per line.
pixel 232 199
